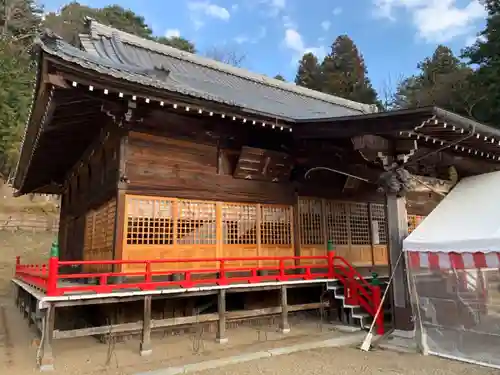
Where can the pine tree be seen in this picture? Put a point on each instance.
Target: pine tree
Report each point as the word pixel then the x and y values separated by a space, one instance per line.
pixel 443 81
pixel 309 73
pixel 485 54
pixel 344 73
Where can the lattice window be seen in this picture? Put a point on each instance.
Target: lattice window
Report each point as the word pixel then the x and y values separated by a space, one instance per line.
pixel 150 221
pixel 89 232
pixel 379 216
pixel 276 225
pixel 310 222
pixel 414 221
pixel 196 222
pixel 110 223
pixel 360 224
pixel 239 224
pixel 337 223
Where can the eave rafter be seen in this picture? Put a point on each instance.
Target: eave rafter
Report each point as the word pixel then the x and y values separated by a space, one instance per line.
pixel 436 132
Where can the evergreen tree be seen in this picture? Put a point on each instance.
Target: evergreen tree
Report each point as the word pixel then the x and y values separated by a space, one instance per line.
pixel 344 73
pixel 280 77
pixel 19 24
pixel 443 81
pixel 485 54
pixel 177 42
pixel 309 73
pixel 70 21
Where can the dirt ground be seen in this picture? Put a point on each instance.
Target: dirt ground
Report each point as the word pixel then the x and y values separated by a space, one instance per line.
pixel 351 361
pixel 88 356
pixel 32 247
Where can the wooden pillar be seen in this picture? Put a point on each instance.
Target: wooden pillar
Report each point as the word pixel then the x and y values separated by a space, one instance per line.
pixel 146 328
pixel 221 327
pixel 30 309
pixel 397 223
pixel 47 359
pixel 284 326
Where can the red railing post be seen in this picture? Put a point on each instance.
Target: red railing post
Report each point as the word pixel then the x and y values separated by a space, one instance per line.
pixel 282 270
pixel 331 265
pixel 187 283
pixel 18 264
pixel 222 273
pixel 377 305
pixel 147 276
pixel 52 276
pixel 53 270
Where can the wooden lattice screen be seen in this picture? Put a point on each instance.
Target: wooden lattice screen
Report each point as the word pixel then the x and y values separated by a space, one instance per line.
pixel 358 230
pixel 414 221
pixel 158 227
pixel 99 235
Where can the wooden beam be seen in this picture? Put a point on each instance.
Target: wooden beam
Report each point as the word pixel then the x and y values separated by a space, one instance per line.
pixel 284 326
pixel 146 328
pixel 421 184
pixel 47 359
pixel 179 321
pixel 221 327
pixel 397 223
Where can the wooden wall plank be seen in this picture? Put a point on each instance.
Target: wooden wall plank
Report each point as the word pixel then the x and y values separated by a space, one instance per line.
pixel 162 166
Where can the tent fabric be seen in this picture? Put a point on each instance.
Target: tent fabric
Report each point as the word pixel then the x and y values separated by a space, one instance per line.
pixel 466 221
pixel 448 261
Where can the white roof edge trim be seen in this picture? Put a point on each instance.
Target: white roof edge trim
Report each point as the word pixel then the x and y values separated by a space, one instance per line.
pixel 97 29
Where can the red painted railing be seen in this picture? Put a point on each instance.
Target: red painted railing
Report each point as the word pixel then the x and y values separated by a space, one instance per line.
pixel 357 290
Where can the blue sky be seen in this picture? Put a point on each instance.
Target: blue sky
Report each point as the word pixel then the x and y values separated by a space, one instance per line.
pixel 392 35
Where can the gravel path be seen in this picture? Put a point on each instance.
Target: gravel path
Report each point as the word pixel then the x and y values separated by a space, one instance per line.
pixel 348 361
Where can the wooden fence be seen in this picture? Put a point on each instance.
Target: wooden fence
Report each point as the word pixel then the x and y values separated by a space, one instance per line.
pixel 30 224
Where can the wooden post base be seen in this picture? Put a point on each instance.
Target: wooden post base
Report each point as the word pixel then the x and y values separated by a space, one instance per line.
pixel 146 349
pixel 47 359
pixel 284 326
pixel 221 326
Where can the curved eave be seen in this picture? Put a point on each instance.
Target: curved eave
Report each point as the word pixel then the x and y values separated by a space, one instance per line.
pixel 31 127
pixel 430 126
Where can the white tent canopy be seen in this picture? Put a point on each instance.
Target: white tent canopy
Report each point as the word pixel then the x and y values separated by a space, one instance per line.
pixel 466 221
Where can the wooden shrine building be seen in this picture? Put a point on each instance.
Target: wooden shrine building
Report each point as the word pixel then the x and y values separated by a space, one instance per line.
pixel 175 165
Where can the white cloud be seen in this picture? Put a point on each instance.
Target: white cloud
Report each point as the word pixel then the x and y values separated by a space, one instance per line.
pixel 205 9
pixel 288 22
pixel 293 40
pixel 281 4
pixel 240 39
pixel 336 11
pixel 325 25
pixel 471 40
pixel 435 20
pixel 275 7
pixel 172 33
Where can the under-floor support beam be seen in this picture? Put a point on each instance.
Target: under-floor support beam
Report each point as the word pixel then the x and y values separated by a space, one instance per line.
pixel 221 337
pixel 46 360
pixel 284 326
pixel 146 328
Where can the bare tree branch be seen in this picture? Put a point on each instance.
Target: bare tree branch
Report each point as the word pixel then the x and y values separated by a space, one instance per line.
pixel 226 55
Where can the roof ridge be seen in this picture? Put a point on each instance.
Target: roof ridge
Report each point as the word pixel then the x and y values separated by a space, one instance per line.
pixel 95 29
